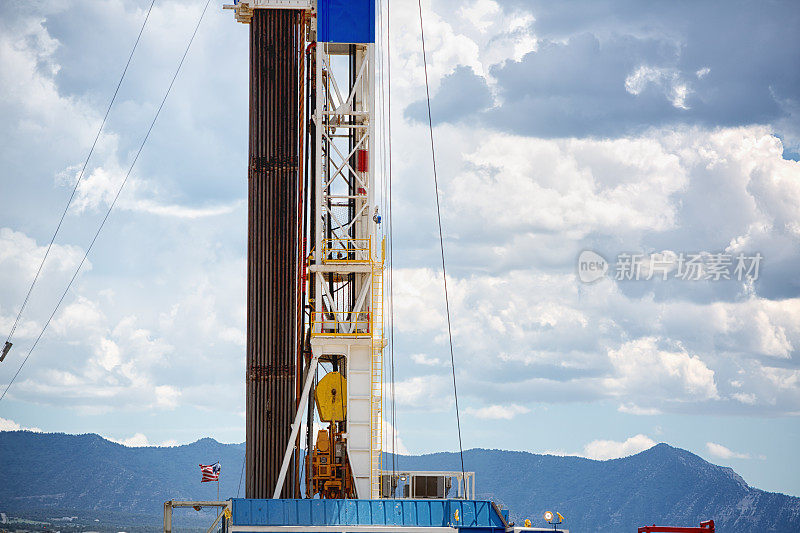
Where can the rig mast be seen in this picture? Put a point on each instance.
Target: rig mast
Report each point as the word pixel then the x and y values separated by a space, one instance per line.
pixel 315 255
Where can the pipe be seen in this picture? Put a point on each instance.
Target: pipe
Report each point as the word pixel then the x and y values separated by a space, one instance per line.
pixel 276 42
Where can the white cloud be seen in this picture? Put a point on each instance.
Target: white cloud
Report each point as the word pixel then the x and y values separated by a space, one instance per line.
pixel 782 378
pixel 392 443
pixel 497 412
pixel 116 370
pixel 431 391
pixel 140 440
pixel 611 449
pixel 20 257
pixel 517 210
pixel 167 396
pixel 558 453
pixel 137 440
pixel 479 13
pixel 718 450
pixel 633 409
pixel 604 450
pixel 10 425
pixel 509 184
pixel 747 398
pixel 81 316
pixel 99 187
pixel 667 79
pixel 97 190
pixel 418 299
pixel 426 360
pixel 641 366
pixel 480 35
pixel 524 313
pixel 43 115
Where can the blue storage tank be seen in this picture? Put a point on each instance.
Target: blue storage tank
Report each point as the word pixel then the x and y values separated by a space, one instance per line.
pixel 346 21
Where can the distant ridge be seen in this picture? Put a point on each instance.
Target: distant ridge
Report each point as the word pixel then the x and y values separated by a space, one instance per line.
pixel 55 471
pixel 662 485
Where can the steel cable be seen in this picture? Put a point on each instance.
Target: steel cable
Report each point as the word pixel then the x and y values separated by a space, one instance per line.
pixel 441 247
pixel 113 203
pixel 80 176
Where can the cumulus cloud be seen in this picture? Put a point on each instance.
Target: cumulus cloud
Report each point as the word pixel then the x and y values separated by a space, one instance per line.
pixel 604 450
pixel 392 443
pixel 9 425
pixel 97 190
pixel 560 155
pixel 140 440
pixel 137 440
pixel 97 359
pixel 578 187
pixel 633 409
pixel 642 366
pixel 426 360
pixel 611 449
pixel 480 13
pixel 626 68
pixel 462 93
pixel 20 257
pixel 552 349
pixel 429 391
pixel 518 212
pixel 497 412
pixel 669 80
pixel 718 450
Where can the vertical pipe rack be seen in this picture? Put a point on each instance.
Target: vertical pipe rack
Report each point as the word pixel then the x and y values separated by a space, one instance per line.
pixel 276 44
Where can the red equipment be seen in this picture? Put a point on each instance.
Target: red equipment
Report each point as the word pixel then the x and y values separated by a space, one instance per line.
pixel 362 160
pixel 705 527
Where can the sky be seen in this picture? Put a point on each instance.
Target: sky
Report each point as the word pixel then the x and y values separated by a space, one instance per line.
pixel 654 135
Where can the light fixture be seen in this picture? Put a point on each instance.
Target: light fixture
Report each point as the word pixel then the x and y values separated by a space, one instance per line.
pixel 550 517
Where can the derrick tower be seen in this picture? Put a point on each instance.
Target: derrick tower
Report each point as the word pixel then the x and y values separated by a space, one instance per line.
pixel 315 255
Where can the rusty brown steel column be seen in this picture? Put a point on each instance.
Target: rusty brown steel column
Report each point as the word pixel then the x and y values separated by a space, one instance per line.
pixel 272 247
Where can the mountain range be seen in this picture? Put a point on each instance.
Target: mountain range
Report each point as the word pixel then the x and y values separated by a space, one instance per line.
pixel 46 475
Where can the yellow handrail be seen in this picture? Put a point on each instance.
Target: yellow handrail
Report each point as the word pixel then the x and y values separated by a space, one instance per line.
pixel 346 250
pixel 342 323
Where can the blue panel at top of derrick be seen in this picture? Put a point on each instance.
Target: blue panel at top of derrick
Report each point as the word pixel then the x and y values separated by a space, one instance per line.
pixel 346 21
pixel 477 516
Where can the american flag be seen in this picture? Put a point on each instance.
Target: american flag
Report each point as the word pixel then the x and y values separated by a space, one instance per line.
pixel 210 472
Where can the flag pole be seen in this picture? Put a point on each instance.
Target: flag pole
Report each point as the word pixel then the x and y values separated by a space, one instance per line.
pixel 218 475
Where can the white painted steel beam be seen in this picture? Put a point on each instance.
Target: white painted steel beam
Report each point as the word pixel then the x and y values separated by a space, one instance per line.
pixel 352 113
pixel 287 455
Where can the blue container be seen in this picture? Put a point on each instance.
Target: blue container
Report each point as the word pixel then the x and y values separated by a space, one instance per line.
pixel 474 516
pixel 346 21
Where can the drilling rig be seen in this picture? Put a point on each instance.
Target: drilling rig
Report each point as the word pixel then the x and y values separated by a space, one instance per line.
pixel 315 252
pixel 315 293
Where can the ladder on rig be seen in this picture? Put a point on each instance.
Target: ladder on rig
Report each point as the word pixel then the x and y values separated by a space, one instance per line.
pixel 376 378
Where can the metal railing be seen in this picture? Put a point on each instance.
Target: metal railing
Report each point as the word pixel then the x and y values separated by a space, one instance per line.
pixel 391 481
pixel 342 323
pixel 224 513
pixel 346 250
